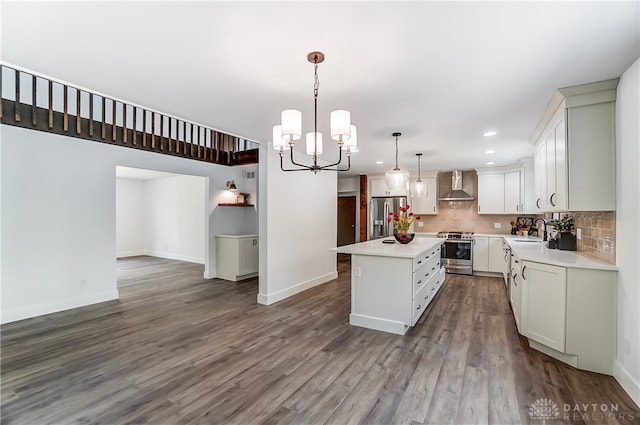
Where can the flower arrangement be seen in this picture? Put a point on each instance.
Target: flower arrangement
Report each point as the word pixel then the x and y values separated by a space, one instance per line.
pixel 563 225
pixel 403 219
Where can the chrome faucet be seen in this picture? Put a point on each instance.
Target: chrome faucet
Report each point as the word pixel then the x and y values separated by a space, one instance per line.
pixel 545 227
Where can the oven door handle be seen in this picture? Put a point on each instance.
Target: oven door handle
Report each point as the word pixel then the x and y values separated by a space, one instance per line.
pixel 457 267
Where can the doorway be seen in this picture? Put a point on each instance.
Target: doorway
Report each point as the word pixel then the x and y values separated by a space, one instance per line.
pixel 346 220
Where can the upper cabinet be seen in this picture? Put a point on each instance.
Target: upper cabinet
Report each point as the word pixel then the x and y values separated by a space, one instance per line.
pixel 574 157
pixel 378 187
pixel 506 190
pixel 427 204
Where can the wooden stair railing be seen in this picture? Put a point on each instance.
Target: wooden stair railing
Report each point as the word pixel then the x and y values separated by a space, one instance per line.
pixel 102 119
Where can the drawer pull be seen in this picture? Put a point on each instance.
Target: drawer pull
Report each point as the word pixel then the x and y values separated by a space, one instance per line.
pixel 419 261
pixel 419 282
pixel 419 307
pixel 426 296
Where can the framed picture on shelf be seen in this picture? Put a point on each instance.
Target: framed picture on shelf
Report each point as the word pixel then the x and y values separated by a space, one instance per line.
pixel 239 199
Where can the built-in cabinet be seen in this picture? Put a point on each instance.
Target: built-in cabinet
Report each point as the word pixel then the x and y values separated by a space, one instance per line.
pixel 506 190
pixel 574 156
pixel 428 204
pixel 236 256
pixel 488 254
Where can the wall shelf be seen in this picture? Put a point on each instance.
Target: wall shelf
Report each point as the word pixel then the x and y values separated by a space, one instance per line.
pixel 235 205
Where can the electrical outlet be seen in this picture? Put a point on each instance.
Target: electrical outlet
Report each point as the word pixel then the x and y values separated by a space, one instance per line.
pixel 578 233
pixel 497 225
pixel 420 224
pixel 357 272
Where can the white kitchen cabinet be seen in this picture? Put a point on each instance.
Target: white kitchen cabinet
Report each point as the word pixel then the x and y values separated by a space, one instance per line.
pixel 512 193
pixel 378 187
pixel 574 157
pixel 491 193
pixel 480 253
pixel 428 204
pixel 236 256
pixel 543 315
pixel 488 254
pixel 496 255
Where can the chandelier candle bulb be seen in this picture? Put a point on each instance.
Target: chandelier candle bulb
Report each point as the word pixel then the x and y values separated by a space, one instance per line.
pixel 314 143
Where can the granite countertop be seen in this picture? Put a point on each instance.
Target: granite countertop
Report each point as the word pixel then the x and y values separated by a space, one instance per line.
pixel 377 248
pixel 534 249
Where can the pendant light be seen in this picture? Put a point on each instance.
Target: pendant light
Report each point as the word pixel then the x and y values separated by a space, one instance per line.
pixel 419 189
pixel 397 179
pixel 290 129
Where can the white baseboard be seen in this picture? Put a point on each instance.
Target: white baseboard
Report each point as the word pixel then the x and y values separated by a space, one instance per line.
pixel 378 324
pixel 208 274
pixel 125 254
pixel 35 310
pixel 628 382
pixel 274 297
pixel 172 256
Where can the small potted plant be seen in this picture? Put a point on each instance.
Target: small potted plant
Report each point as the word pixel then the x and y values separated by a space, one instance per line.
pixel 402 221
pixel 564 227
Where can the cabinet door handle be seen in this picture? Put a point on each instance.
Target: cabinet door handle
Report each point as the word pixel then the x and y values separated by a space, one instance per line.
pixel 434 208
pixel 426 297
pixel 419 307
pixel 523 269
pixel 553 204
pixel 538 203
pixel 478 208
pixel 419 282
pixel 419 261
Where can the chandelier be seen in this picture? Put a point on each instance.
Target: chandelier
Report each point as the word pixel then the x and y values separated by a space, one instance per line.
pixel 290 129
pixel 397 179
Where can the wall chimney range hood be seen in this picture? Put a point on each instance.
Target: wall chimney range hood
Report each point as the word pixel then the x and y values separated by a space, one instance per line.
pixel 456 193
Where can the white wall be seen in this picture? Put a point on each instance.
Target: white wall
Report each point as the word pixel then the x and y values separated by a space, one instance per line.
pixel 129 217
pixel 58 217
pixel 298 226
pixel 174 214
pixel 627 365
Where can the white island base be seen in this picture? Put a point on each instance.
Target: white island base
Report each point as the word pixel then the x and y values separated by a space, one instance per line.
pixel 392 285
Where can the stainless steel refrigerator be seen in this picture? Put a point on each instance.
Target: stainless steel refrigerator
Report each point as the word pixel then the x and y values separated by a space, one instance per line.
pixel 378 211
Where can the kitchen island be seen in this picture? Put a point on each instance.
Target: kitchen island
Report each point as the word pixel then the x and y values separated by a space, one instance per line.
pixel 392 284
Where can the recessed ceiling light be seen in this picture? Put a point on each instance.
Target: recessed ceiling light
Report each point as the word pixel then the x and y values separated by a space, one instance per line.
pixel 490 133
pixel 379 162
pixel 490 163
pixel 489 152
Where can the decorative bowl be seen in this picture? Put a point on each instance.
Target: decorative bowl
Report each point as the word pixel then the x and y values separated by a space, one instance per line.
pixel 403 237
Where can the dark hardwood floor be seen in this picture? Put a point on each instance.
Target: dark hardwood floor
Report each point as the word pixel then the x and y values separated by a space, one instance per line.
pixel 179 349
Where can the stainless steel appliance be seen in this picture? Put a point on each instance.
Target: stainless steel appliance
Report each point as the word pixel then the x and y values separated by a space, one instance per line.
pixel 457 252
pixel 378 213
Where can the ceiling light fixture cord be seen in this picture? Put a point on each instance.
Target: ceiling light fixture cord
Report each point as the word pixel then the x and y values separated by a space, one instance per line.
pixel 316 85
pixel 397 168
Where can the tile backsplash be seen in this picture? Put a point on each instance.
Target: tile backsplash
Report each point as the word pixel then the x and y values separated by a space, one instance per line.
pixel 598 234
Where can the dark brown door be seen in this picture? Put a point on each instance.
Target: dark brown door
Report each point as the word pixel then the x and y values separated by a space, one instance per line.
pixel 346 220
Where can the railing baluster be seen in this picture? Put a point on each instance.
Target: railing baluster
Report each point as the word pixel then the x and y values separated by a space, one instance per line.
pixel 91 114
pixel 184 136
pixel 217 147
pixel 113 119
pixel 199 147
pixel 34 107
pixel 78 117
pixel 144 128
pixel 65 119
pixel 103 130
pixel 50 104
pixel 170 121
pixel 124 123
pixel 17 114
pixel 135 125
pixel 153 130
pixel 161 131
pixel 211 144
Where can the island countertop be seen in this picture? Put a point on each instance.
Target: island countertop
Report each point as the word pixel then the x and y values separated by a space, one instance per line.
pixel 377 248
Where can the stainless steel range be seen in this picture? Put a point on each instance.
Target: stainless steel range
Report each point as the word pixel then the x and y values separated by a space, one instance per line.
pixel 457 252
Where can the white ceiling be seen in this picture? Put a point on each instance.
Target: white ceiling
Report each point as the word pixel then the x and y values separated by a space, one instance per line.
pixel 442 73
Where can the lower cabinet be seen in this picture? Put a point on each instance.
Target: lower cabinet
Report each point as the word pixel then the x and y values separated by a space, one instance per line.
pixel 568 313
pixel 488 254
pixel 236 256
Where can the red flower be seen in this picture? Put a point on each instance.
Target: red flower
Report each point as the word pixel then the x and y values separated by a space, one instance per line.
pixel 418 217
pixel 390 212
pixel 389 218
pixel 410 214
pixel 407 207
